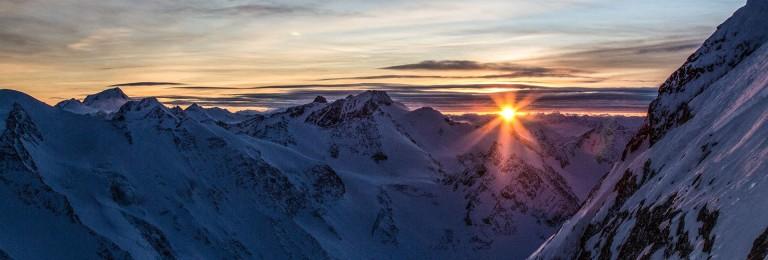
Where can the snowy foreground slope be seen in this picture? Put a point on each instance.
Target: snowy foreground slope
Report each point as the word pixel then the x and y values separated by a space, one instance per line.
pixel 360 177
pixel 694 181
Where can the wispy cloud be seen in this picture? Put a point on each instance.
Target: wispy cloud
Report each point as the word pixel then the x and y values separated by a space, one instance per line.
pixel 146 83
pixel 19 43
pixel 389 76
pixel 472 65
pixel 506 71
pixel 257 10
pixel 101 38
pixel 206 88
pixel 649 55
pixel 516 75
pixel 27 35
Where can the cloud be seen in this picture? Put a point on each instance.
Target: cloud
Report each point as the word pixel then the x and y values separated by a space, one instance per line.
pixel 146 83
pixel 659 47
pixel 28 35
pixel 101 38
pixel 206 87
pixel 508 71
pixel 257 10
pixel 17 43
pixel 474 65
pixel 390 76
pixel 582 79
pixel 263 9
pixel 669 47
pixel 642 55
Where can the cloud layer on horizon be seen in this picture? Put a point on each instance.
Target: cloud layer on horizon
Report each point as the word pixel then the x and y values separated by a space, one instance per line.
pixel 446 98
pixel 508 71
pixel 474 65
pixel 146 83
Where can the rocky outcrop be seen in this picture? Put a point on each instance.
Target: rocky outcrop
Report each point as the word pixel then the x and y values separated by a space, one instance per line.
pixel 350 108
pixel 734 41
pixel 499 188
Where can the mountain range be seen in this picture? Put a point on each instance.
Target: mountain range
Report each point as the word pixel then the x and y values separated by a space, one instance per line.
pixel 116 177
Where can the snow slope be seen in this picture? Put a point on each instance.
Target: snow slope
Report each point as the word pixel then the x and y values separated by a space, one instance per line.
pixel 693 181
pixel 359 177
pixel 431 188
pixel 147 184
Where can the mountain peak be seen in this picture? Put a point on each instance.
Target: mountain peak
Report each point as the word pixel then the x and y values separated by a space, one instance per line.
pixel 377 96
pixel 143 107
pixel 194 107
pixel 146 108
pixel 150 102
pixel 68 101
pixel 197 112
pixel 112 93
pixel 9 96
pixel 107 101
pixel 352 107
pixel 320 99
pixel 427 110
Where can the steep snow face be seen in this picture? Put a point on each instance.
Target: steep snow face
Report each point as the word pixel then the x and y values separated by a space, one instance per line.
pixel 105 102
pixel 360 177
pixel 699 190
pixel 733 42
pixel 33 209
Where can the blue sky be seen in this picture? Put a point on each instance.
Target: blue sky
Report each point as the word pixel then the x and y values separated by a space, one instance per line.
pixel 67 48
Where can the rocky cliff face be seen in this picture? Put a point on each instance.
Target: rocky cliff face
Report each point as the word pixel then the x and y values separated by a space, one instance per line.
pixel 732 43
pixel 692 181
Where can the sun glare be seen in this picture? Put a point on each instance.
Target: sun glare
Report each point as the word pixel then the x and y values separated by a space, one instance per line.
pixel 508 113
pixel 509 126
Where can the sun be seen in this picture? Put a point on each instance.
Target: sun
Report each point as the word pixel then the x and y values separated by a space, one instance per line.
pixel 508 113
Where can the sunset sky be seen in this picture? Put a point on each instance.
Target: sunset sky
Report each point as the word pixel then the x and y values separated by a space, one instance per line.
pixel 596 55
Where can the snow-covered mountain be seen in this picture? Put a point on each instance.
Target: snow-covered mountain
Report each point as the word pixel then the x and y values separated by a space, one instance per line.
pixel 359 177
pixel 692 183
pixel 105 102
